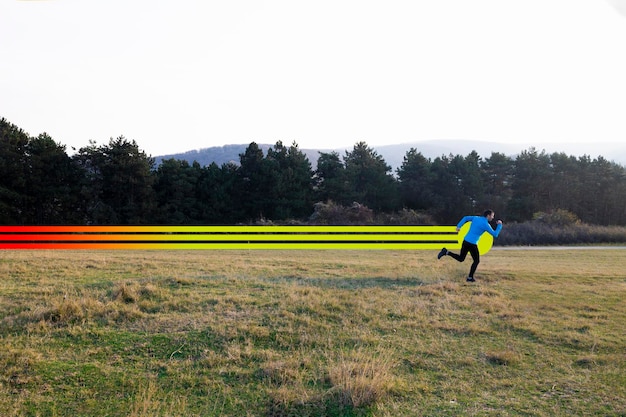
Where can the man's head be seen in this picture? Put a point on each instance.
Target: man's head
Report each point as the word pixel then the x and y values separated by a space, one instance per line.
pixel 489 214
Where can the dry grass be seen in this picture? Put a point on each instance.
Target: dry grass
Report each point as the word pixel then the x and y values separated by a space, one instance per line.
pixel 151 401
pixel 311 333
pixel 362 378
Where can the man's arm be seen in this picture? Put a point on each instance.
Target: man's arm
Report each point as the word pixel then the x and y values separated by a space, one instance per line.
pixel 463 221
pixel 496 232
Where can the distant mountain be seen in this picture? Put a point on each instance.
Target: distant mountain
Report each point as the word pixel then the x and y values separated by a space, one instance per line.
pixel 394 154
pixel 230 153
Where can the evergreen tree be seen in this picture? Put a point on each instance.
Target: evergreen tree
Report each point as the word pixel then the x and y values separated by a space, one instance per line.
pixel 530 190
pixel 415 181
pixel 471 182
pixel 446 190
pixel 457 185
pixel 118 184
pixel 497 174
pixel 292 191
pixel 175 192
pixel 369 179
pixel 217 195
pixel 603 194
pixel 564 183
pixel 13 184
pixel 53 184
pixel 254 184
pixel 330 181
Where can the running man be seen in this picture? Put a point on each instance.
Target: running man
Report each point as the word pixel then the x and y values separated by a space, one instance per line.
pixel 480 225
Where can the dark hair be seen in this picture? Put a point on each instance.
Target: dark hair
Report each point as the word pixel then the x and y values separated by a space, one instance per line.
pixel 487 213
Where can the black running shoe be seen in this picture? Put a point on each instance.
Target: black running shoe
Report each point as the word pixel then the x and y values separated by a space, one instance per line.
pixel 443 252
pixel 470 279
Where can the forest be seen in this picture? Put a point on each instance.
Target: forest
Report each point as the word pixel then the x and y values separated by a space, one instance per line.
pixel 118 183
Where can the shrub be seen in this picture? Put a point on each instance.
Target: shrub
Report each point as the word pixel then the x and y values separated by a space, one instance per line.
pixel 405 217
pixel 541 233
pixel 558 217
pixel 331 213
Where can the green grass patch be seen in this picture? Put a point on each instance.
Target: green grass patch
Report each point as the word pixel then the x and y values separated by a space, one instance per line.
pixel 266 333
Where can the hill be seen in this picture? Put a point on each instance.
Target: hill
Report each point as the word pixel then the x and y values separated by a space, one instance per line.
pixel 394 154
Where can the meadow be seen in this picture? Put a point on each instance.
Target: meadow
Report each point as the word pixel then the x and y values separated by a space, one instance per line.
pixel 309 333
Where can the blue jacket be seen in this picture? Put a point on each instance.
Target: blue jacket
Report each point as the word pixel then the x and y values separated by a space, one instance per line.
pixel 479 226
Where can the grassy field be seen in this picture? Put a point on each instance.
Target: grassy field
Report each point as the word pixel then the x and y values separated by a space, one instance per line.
pixel 296 333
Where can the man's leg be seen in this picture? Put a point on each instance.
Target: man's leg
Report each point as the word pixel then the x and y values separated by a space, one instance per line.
pixel 473 250
pixel 465 247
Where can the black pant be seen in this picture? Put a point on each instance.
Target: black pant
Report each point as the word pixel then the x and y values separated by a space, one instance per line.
pixel 473 250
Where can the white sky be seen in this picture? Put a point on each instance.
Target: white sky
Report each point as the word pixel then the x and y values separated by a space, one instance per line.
pixel 189 74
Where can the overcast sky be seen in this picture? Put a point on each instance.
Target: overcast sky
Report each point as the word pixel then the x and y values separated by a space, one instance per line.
pixel 189 74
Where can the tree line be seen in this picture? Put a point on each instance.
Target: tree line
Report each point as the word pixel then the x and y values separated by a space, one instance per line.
pixel 118 183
